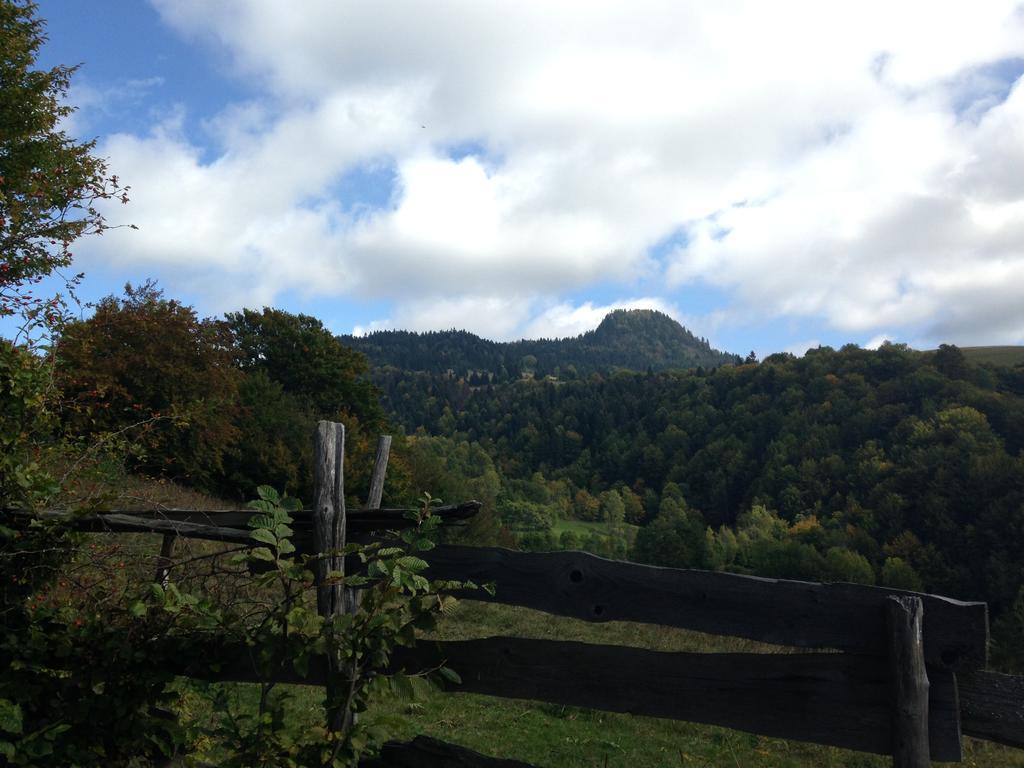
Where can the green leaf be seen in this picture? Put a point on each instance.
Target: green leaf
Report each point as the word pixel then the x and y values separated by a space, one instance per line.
pixel 262 521
pixel 403 687
pixel 138 609
pixel 412 563
pixel 267 493
pixel 285 547
pixel 262 553
pixel 10 717
pixel 265 536
pixel 420 583
pixel 282 531
pixel 7 750
pixel 450 675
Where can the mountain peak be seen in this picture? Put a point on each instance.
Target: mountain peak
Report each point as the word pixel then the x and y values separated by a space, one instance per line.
pixel 631 339
pixel 638 322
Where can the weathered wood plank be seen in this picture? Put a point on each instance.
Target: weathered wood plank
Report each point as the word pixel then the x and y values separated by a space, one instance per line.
pixel 847 617
pixel 425 752
pixel 122 523
pixel 836 699
pixel 992 706
pixel 909 683
pixel 380 468
pixel 356 521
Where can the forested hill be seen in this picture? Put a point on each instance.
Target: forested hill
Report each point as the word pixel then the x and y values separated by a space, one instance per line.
pixel 918 455
pixel 638 340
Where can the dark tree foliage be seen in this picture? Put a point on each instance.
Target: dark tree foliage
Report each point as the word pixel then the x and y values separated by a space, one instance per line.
pixel 629 339
pixel 147 369
pixel 307 361
pixel 296 373
pixel 674 538
pixel 49 183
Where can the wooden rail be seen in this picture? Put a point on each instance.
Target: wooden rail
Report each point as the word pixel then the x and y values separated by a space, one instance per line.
pixel 847 617
pixel 232 526
pixel 838 699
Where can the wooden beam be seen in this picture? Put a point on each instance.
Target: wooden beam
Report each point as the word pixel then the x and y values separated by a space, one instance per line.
pixel 992 706
pixel 237 520
pixel 909 684
pixel 847 617
pixel 122 523
pixel 835 699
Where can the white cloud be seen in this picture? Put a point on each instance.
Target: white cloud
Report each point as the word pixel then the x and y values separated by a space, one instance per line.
pixel 876 341
pixel 826 160
pixel 800 348
pixel 509 318
pixel 493 317
pixel 565 319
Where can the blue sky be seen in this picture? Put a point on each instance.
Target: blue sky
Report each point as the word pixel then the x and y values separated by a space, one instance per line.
pixel 773 177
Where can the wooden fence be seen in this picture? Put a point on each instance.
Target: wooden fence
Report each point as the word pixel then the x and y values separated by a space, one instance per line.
pixel 892 672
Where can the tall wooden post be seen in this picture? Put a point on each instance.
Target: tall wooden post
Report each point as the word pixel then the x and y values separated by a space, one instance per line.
pixel 910 683
pixel 329 512
pixel 329 534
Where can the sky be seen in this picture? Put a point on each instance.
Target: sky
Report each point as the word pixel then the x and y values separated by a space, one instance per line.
pixel 776 176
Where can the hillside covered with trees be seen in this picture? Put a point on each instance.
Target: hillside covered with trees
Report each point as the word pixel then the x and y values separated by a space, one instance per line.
pixel 638 340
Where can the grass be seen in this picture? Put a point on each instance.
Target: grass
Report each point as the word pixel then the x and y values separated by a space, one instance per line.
pixel 1008 356
pixel 584 528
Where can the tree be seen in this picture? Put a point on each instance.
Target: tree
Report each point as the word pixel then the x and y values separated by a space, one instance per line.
pixel 898 574
pixel 585 506
pixel 675 538
pixel 308 361
pixel 613 510
pixel 50 185
pixel 273 445
pixel 149 362
pixel 846 565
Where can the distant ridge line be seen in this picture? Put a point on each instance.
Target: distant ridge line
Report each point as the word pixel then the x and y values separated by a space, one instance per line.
pixel 635 339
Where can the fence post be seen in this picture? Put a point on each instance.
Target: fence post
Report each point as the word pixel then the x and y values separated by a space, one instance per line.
pixel 329 534
pixel 163 561
pixel 910 683
pixel 354 597
pixel 380 467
